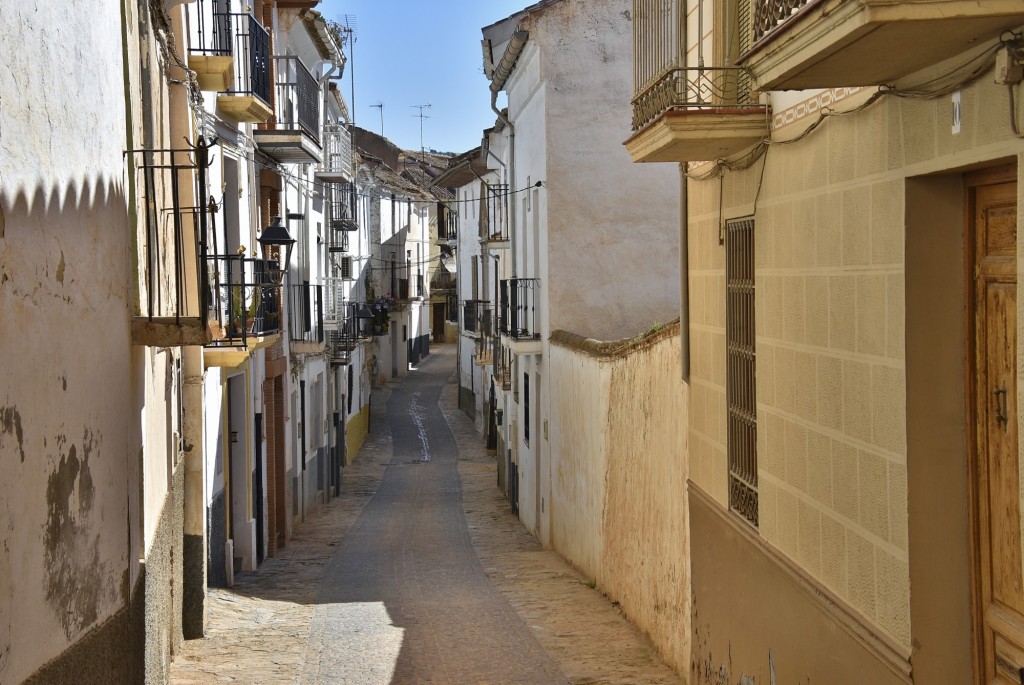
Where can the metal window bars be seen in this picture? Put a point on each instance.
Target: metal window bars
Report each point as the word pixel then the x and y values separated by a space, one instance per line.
pixel 245 298
pixel 741 394
pixel 174 206
pixel 447 224
pixel 518 308
pixel 298 97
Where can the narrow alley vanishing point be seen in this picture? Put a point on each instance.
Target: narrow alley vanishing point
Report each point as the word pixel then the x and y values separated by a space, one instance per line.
pixel 418 573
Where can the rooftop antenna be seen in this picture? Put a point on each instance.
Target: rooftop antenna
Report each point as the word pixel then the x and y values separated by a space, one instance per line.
pixel 346 24
pixel 380 106
pixel 421 116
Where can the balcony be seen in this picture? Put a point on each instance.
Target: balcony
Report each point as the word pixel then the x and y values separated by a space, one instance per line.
pixel 172 253
pixel 337 155
pixel 447 225
pixel 210 46
pixel 245 307
pixel 800 44
pixel 344 203
pixel 247 97
pixel 686 112
pixel 294 135
pixel 517 315
pixel 306 317
pixel 494 229
pixel 442 280
pixel 354 323
pixel 477 317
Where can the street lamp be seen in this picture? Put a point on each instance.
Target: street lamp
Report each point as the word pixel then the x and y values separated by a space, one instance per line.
pixel 274 237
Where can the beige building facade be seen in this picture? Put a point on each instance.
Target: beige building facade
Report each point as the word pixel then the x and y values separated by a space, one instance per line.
pixel 854 492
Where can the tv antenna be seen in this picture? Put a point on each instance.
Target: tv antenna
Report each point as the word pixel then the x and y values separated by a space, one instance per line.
pixel 346 25
pixel 380 106
pixel 421 116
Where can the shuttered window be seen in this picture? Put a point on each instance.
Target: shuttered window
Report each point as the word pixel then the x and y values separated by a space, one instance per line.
pixel 741 395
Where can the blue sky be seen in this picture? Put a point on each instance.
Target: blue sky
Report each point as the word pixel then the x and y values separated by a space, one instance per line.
pixel 411 52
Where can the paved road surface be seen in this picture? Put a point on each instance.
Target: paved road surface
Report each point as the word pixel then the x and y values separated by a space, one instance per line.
pixel 425 605
pixel 417 573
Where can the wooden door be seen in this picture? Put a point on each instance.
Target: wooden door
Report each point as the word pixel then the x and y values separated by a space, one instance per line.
pixel 997 476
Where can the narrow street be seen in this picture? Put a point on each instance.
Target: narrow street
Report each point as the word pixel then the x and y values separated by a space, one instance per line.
pixel 418 573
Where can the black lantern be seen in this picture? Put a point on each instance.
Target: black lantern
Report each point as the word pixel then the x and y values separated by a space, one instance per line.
pixel 274 237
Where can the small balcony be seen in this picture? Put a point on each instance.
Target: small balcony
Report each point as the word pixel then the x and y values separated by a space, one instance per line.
pixel 442 281
pixel 684 111
pixel 306 317
pixel 494 229
pixel 245 302
pixel 696 114
pixel 354 323
pixel 344 203
pixel 477 317
pixel 171 253
pixel 447 225
pixel 247 97
pixel 337 155
pixel 800 44
pixel 517 315
pixel 294 135
pixel 211 53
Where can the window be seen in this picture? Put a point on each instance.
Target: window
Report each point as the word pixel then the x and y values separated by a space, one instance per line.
pixel 346 267
pixel 741 395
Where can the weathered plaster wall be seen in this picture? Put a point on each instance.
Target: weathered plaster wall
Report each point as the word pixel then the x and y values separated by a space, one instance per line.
pixel 619 468
pixel 611 224
pixel 69 463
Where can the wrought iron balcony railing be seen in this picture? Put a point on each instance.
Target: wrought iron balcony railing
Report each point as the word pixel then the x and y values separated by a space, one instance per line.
pixel 251 46
pixel 442 279
pixel 306 313
pixel 337 163
pixel 518 308
pixel 174 257
pixel 772 14
pixel 694 88
pixel 211 30
pixel 477 317
pixel 298 97
pixel 344 200
pixel 665 79
pixel 245 298
pixel 447 223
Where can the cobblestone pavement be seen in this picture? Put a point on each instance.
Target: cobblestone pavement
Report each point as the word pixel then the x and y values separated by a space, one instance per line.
pixel 418 573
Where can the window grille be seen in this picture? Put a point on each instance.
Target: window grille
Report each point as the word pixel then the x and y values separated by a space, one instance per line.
pixel 741 395
pixel 346 267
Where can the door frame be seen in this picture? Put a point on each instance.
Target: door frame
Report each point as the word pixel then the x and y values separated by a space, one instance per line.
pixel 1003 173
